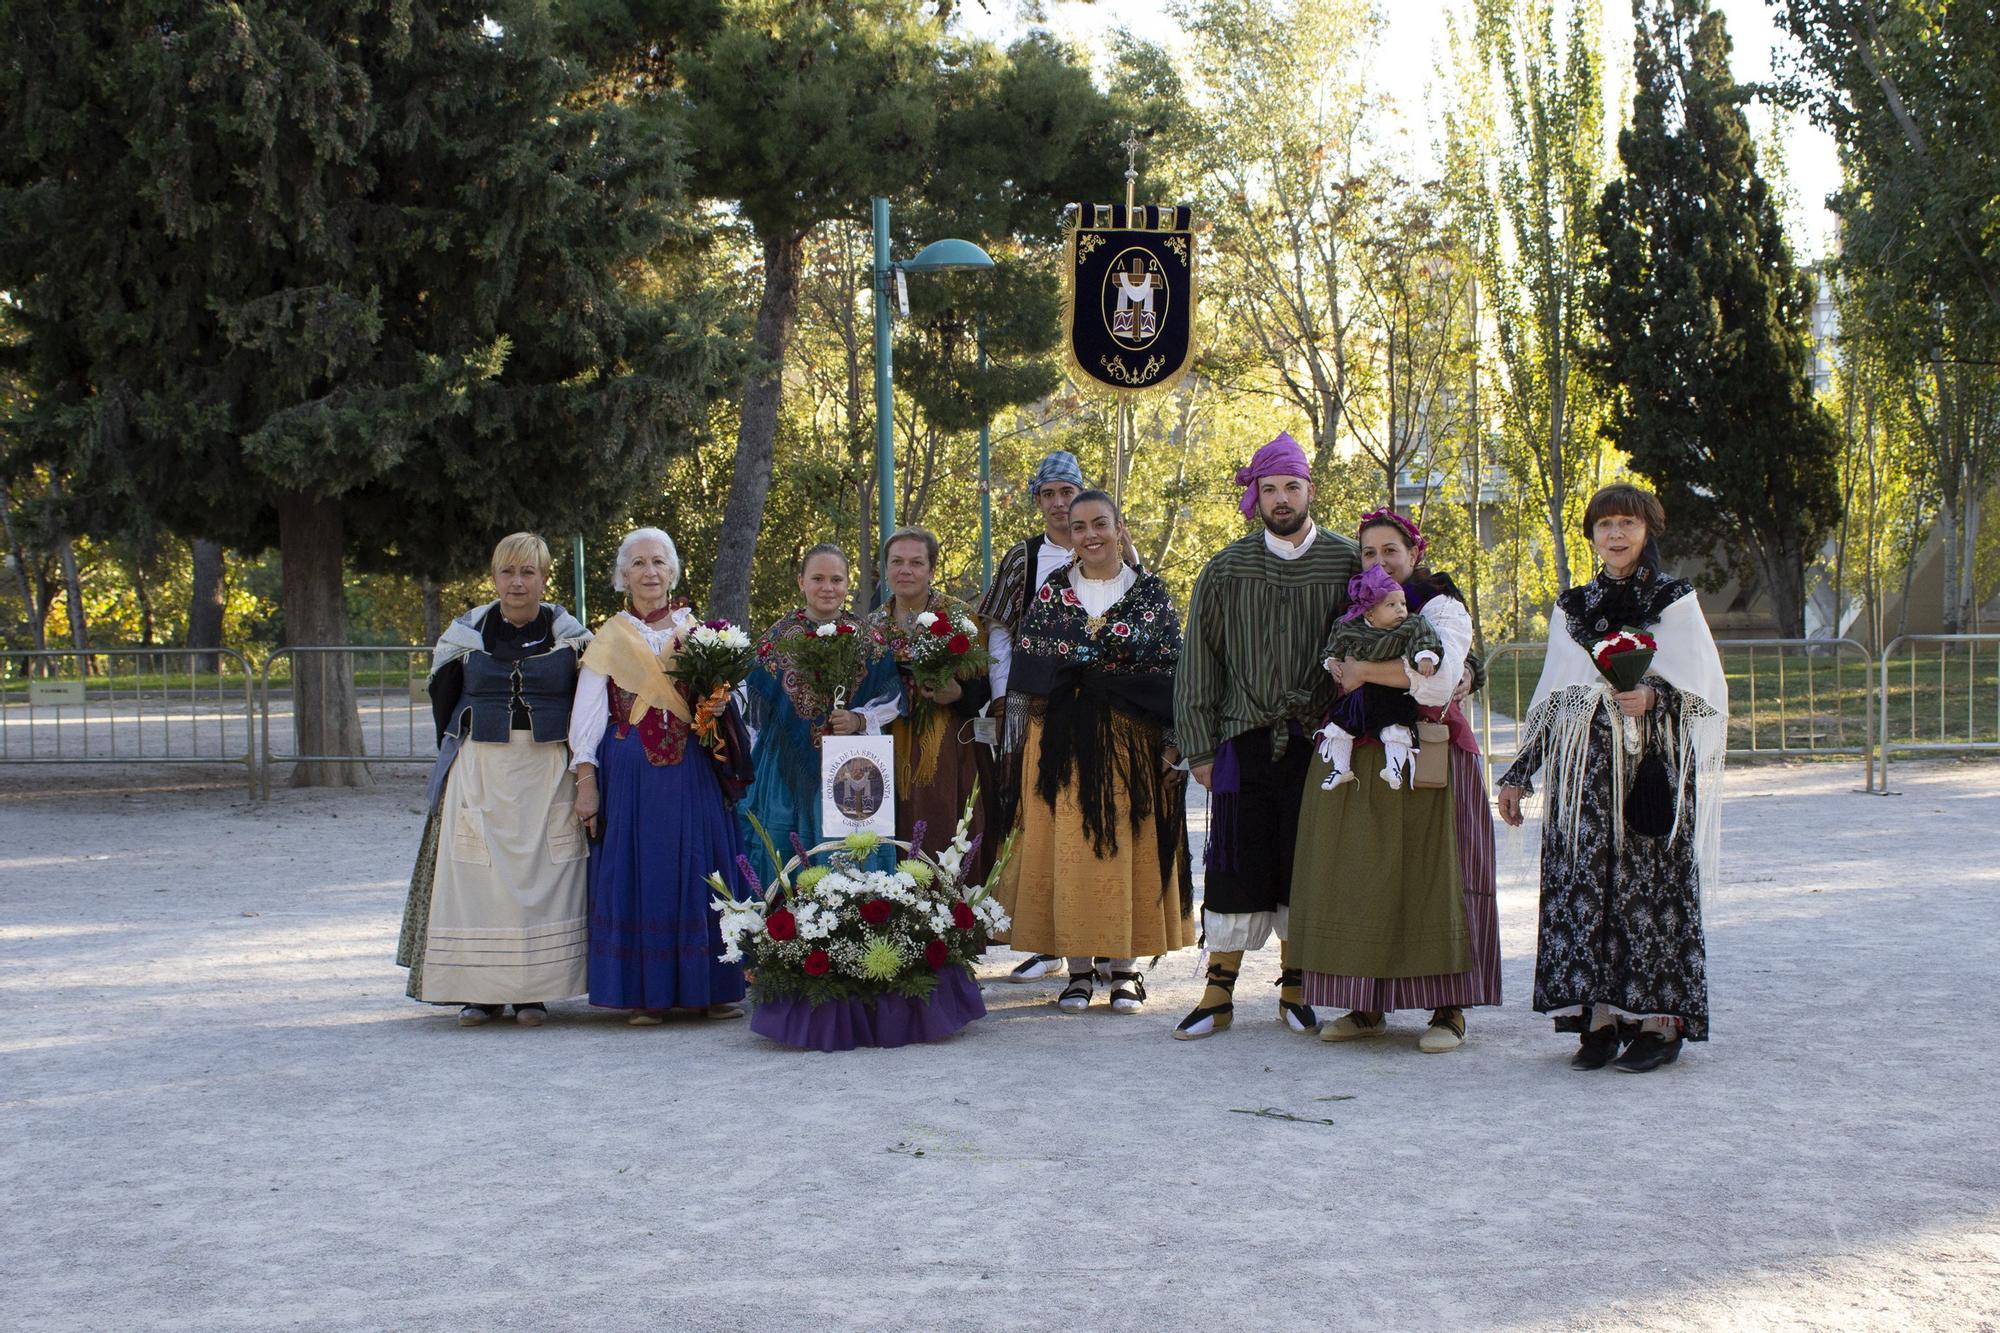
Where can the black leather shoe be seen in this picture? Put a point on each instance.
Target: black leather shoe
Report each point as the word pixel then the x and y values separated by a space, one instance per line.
pixel 1649 1050
pixel 1596 1048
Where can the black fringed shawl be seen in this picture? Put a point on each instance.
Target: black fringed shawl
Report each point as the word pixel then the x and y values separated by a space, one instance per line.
pixel 1104 688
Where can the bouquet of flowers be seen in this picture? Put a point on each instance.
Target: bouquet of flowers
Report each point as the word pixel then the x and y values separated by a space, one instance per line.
pixel 1623 659
pixel 942 651
pixel 837 931
pixel 711 662
pixel 829 657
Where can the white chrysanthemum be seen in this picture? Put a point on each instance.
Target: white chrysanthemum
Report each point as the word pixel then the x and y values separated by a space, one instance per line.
pixel 706 637
pixel 926 618
pixel 734 638
pixel 966 626
pixel 826 631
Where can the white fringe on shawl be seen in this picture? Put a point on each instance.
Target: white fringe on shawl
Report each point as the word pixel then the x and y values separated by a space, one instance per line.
pixel 1571 692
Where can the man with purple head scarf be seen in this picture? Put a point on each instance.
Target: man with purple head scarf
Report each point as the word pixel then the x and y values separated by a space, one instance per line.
pixel 1249 690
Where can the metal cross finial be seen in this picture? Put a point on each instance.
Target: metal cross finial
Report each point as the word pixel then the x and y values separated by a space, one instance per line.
pixel 1132 147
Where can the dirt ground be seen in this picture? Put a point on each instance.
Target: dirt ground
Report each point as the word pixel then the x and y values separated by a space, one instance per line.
pixel 220 1112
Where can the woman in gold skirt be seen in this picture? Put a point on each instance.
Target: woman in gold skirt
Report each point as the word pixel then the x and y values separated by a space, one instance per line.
pixel 1100 864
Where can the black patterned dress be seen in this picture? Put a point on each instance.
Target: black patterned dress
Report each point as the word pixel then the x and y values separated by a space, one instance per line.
pixel 1620 913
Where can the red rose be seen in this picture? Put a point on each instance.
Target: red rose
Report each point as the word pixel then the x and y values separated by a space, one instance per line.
pixel 959 645
pixel 817 964
pixel 876 911
pixel 940 627
pixel 936 954
pixel 781 925
pixel 962 917
pixel 843 629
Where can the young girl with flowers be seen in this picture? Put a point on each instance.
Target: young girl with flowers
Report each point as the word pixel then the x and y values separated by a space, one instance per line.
pixel 820 671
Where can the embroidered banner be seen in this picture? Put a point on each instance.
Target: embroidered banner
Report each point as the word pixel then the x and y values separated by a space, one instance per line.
pixel 1128 314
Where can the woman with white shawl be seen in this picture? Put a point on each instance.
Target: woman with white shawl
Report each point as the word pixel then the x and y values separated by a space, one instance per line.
pixel 496 913
pixel 1632 820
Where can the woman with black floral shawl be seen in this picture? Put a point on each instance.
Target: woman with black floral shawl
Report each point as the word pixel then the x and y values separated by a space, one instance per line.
pixel 1100 862
pixel 1631 821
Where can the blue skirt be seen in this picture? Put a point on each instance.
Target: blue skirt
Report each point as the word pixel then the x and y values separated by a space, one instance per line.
pixel 655 943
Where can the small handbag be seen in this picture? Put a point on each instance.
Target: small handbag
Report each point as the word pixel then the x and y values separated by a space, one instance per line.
pixel 1649 805
pixel 1432 767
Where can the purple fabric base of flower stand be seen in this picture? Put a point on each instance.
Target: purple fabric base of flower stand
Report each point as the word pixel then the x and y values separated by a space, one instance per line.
pixel 890 1020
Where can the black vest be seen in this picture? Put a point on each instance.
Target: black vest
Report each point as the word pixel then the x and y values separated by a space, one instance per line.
pixel 545 683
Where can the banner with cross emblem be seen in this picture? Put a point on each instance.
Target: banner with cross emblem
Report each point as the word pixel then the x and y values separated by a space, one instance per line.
pixel 1128 312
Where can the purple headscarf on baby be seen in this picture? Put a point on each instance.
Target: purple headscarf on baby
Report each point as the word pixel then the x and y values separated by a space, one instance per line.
pixel 1366 590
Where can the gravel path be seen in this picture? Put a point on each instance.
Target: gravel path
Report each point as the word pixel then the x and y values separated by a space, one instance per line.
pixel 221 1113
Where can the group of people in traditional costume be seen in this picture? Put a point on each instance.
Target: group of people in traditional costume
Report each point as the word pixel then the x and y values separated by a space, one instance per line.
pixel 1315 690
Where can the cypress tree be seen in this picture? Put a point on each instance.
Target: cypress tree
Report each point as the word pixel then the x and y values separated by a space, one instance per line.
pixel 1704 319
pixel 353 277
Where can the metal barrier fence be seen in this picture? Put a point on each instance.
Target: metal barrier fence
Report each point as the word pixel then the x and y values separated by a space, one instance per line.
pixel 1913 720
pixel 1787 697
pixel 393 706
pixel 129 706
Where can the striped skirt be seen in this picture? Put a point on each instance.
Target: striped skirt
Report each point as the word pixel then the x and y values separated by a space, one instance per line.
pixel 1479 984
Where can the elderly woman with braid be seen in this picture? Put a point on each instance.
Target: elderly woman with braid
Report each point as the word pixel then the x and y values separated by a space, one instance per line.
pixel 656 803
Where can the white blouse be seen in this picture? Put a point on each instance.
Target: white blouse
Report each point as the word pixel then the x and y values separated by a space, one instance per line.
pixel 1453 624
pixel 1100 595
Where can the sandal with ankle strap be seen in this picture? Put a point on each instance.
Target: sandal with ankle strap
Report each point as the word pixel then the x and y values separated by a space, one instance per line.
pixel 1209 1019
pixel 1128 993
pixel 1076 996
pixel 1295 1015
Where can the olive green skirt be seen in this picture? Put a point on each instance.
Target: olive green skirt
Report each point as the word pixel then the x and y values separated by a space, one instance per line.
pixel 1375 880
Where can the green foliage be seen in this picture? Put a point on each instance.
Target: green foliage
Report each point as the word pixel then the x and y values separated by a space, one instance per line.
pixel 374 254
pixel 1704 319
pixel 1531 158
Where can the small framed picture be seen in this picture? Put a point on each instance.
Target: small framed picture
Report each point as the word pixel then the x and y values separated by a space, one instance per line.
pixel 857 776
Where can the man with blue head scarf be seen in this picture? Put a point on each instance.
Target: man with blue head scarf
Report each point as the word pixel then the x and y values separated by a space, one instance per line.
pixel 1056 481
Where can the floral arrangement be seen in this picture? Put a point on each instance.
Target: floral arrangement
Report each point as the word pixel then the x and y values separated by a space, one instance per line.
pixel 829 657
pixel 710 663
pixel 1623 660
pixel 837 931
pixel 945 650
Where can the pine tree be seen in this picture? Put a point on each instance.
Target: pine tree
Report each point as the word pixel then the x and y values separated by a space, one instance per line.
pixel 353 277
pixel 1704 319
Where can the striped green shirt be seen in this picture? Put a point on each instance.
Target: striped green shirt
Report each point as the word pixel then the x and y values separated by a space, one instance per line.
pixel 1255 628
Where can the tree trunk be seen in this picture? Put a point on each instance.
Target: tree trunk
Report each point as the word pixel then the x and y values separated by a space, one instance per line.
pixel 205 602
pixel 325 717
pixel 31 606
pixel 757 432
pixel 144 596
pixel 1784 577
pixel 433 610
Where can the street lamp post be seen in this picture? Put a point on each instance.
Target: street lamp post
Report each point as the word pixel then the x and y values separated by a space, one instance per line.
pixel 946 256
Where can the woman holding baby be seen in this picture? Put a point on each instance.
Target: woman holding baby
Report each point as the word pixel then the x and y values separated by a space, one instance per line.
pixel 1392 886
